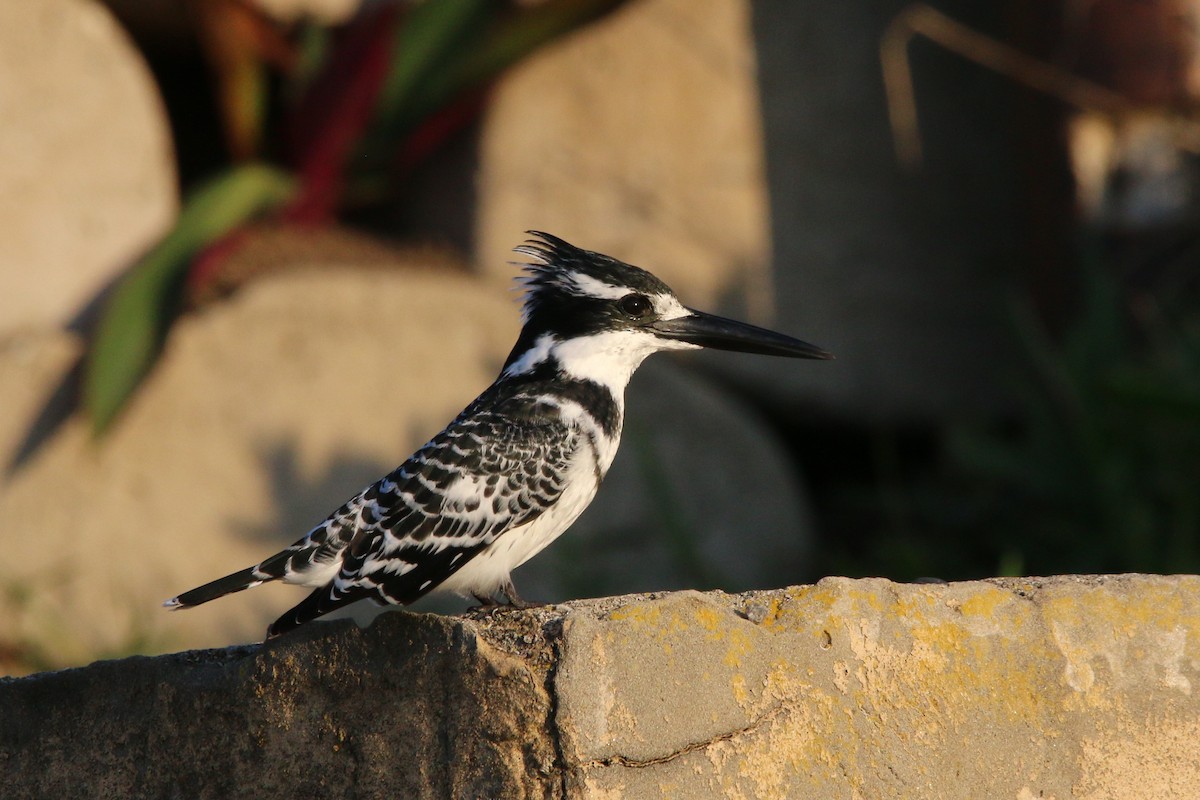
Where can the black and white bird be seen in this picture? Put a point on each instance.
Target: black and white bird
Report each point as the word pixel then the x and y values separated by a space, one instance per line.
pixel 519 464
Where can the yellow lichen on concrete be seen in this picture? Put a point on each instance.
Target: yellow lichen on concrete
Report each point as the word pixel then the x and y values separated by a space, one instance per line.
pixel 785 738
pixel 1141 639
pixel 867 688
pixel 985 603
pixel 650 618
pixel 787 608
pixel 1146 759
pixel 911 656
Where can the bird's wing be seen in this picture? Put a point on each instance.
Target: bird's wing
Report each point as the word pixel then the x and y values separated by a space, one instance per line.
pixel 486 473
pixel 456 496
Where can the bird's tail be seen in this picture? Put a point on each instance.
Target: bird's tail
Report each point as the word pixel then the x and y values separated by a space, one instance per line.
pixel 239 581
pixel 320 602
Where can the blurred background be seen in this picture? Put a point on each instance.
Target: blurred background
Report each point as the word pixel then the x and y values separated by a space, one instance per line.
pixel 253 252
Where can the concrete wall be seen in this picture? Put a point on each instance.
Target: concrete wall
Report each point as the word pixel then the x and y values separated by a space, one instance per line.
pixel 1069 687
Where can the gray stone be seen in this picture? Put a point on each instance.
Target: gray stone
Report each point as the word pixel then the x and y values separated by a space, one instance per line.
pixel 1067 687
pixel 415 707
pixel 88 179
pixel 638 136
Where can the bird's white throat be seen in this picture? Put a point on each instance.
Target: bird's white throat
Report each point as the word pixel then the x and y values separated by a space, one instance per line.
pixel 608 358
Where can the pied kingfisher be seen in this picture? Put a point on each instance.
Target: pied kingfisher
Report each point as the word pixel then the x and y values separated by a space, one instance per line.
pixel 520 463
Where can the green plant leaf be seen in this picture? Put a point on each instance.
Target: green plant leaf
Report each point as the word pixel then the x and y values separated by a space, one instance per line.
pixel 1155 393
pixel 432 38
pixel 446 49
pixel 135 318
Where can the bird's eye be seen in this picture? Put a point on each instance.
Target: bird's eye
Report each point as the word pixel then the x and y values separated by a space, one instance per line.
pixel 634 305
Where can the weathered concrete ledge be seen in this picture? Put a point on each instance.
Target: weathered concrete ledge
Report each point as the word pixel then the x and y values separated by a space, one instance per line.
pixel 1069 687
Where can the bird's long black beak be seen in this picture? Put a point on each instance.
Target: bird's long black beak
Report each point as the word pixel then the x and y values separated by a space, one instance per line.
pixel 709 330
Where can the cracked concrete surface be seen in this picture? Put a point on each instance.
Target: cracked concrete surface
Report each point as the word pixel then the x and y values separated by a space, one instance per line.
pixel 866 688
pixel 1068 687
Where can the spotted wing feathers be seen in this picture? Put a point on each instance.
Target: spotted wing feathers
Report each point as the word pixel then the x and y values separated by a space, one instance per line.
pixel 499 465
pixel 484 475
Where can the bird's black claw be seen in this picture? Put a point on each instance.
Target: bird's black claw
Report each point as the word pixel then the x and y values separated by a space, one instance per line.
pixel 515 600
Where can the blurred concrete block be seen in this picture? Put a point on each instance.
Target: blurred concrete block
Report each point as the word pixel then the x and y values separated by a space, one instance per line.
pixel 742 152
pixel 904 277
pixel 638 136
pixel 325 12
pixel 87 177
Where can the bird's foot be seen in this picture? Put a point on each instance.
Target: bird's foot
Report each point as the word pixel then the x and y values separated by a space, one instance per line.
pixel 487 604
pixel 515 600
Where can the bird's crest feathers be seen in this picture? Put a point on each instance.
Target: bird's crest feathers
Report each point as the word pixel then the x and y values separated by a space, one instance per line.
pixel 561 268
